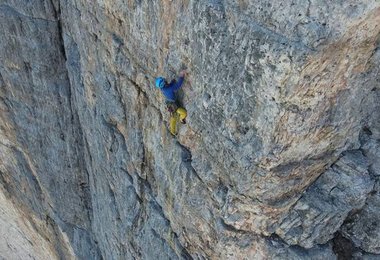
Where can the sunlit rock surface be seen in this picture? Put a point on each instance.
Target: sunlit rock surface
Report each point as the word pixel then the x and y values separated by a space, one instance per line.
pixel 283 104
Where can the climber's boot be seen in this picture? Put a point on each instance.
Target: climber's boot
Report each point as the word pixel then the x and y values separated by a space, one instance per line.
pixel 182 114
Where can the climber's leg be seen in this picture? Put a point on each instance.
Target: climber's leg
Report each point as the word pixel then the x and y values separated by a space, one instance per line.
pixel 173 123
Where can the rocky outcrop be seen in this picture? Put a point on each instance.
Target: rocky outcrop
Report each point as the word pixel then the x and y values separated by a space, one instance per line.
pixel 282 101
pixel 362 228
pixel 326 204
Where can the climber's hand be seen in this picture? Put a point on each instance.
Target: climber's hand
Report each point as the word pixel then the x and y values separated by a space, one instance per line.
pixel 182 73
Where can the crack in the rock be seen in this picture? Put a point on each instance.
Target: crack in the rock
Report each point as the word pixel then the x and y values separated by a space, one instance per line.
pixel 113 202
pixel 58 16
pixel 183 254
pixel 144 183
pixel 187 159
pixel 80 139
pixel 11 9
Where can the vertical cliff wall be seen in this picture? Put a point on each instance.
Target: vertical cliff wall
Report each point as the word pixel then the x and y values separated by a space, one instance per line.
pixel 279 157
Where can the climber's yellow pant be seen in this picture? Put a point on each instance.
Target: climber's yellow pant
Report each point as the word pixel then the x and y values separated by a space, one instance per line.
pixel 179 115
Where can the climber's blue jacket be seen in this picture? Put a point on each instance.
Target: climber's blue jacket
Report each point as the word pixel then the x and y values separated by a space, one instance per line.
pixel 170 89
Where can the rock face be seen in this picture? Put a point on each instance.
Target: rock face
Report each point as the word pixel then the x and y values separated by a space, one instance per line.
pixel 326 204
pixel 19 239
pixel 363 228
pixel 280 151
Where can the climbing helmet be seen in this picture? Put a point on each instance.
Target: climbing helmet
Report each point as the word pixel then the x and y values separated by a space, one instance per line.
pixel 160 82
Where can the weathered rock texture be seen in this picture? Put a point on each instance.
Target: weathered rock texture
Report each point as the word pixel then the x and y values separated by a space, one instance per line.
pixel 326 204
pixel 19 239
pixel 281 149
pixel 363 228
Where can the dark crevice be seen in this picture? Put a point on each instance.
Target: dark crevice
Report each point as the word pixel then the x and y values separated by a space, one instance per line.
pixel 81 143
pixel 2 82
pixel 58 17
pixel 5 185
pixel 343 247
pixel 364 136
pixel 134 250
pixel 128 175
pixel 141 93
pixel 186 158
pixel 113 202
pixel 83 150
pixel 184 254
pixel 59 243
pixel 131 180
pixel 60 32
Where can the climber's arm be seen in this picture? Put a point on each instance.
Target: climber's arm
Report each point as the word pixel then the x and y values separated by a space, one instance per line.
pixel 180 80
pixel 178 84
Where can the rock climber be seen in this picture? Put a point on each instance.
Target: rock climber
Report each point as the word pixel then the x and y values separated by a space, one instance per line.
pixel 169 90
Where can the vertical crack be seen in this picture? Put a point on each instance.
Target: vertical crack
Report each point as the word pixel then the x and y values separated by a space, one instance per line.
pixel 308 8
pixel 57 14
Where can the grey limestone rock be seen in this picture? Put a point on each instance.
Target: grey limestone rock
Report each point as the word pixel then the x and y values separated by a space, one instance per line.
pixel 363 227
pixel 276 93
pixel 321 211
